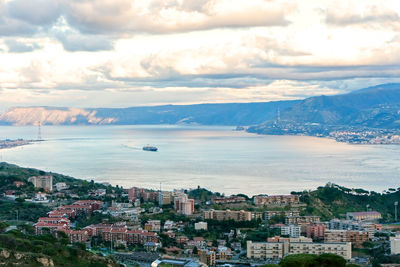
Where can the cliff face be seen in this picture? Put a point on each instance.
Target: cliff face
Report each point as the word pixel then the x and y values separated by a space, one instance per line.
pixel 52 116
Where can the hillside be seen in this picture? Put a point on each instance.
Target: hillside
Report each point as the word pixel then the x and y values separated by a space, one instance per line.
pixel 334 201
pixel 377 107
pixel 204 114
pixel 18 249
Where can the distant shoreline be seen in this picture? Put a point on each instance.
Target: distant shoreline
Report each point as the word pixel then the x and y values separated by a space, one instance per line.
pixel 9 143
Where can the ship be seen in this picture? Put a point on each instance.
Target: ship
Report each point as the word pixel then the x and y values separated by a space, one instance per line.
pixel 150 148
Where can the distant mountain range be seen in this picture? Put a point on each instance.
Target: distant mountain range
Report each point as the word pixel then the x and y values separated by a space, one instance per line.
pixel 375 107
pixel 203 114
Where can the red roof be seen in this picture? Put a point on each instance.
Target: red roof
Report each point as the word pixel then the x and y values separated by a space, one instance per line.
pixel 76 206
pixel 44 224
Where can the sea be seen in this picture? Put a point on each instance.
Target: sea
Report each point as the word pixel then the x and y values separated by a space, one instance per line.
pixel 213 157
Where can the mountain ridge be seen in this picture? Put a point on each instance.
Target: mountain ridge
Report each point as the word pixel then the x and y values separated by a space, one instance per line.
pixel 204 114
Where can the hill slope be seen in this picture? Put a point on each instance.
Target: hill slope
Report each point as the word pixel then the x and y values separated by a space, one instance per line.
pixel 377 107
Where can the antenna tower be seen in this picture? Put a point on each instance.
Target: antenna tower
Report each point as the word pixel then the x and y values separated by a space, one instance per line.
pixel 279 114
pixel 39 137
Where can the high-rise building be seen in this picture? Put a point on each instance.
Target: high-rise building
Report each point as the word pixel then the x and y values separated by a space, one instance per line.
pixel 183 204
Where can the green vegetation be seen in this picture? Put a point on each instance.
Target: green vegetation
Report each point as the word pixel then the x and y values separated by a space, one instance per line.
pixel 9 210
pixel 334 201
pixel 29 250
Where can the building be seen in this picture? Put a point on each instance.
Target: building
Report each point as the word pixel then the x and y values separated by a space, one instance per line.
pixel 94 204
pixel 153 226
pixel 278 250
pixel 265 250
pixel 164 198
pixel 75 236
pixel 208 257
pixel 336 224
pixel 61 186
pixel 289 239
pixel 18 183
pixel 200 226
pixel 357 238
pixel 302 220
pixel 55 220
pixel 228 200
pixel 184 205
pixel 363 216
pixel 316 231
pixel 291 230
pixel 272 213
pixel 395 244
pixel 119 232
pixel 276 200
pixel 45 182
pixel 225 215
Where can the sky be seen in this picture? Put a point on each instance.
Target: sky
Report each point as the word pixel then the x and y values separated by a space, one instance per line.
pixel 120 53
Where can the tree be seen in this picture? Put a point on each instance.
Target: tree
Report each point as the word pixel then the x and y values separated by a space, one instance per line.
pixel 195 251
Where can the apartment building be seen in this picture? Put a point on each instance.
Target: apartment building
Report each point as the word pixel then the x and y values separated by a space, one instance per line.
pixel 276 200
pixel 165 198
pixel 291 230
pixel 153 226
pixel 45 182
pixel 357 238
pixel 183 204
pixel 224 215
pixel 208 257
pixel 227 200
pixel 302 220
pixel 316 231
pixel 278 250
pixel 265 250
pixel 269 214
pixel 75 236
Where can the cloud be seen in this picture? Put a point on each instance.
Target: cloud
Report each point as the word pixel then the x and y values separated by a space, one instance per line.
pixel 367 15
pixel 74 41
pixel 36 12
pixel 166 16
pixel 15 46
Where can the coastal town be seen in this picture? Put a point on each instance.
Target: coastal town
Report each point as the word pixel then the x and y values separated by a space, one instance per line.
pixel 196 227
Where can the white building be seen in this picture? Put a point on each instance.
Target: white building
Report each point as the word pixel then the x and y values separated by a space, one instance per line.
pixel 291 230
pixel 200 226
pixel 395 245
pixel 278 250
pixel 61 186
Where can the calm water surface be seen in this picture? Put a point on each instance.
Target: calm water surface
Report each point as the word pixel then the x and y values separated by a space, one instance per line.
pixel 217 158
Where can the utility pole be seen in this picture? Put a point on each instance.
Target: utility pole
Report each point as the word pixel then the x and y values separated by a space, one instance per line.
pixel 395 210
